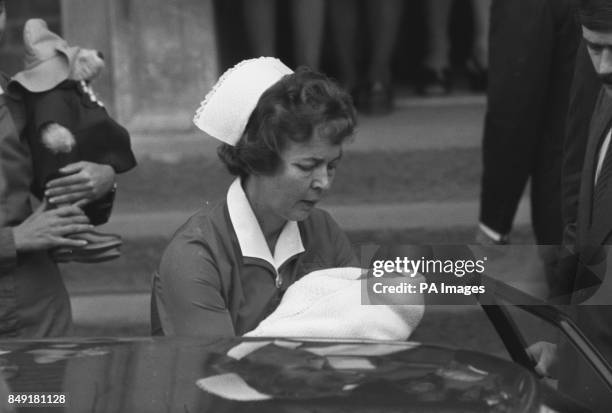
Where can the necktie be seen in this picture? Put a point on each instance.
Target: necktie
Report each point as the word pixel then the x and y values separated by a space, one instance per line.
pixel 602 154
pixel 604 168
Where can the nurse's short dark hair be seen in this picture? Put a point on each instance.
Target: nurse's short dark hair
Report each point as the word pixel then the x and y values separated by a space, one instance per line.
pixel 290 110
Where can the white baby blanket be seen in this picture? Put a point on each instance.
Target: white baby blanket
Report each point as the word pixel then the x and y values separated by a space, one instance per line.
pixel 327 304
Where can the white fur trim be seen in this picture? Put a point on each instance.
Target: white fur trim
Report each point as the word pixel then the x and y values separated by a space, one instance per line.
pixel 57 138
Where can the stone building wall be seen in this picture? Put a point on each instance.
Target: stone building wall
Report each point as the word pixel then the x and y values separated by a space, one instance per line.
pixel 19 11
pixel 161 55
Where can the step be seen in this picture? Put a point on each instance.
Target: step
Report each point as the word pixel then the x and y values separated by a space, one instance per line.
pixel 433 123
pixel 387 216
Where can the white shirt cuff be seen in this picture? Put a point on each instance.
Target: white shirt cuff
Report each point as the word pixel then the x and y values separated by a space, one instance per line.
pixel 494 235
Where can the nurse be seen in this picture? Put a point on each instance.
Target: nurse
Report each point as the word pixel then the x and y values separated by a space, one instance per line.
pixel 283 134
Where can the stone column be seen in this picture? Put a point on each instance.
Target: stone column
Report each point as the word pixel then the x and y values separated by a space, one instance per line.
pixel 161 55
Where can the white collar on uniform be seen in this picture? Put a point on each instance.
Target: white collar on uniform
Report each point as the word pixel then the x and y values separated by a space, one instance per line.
pixel 251 238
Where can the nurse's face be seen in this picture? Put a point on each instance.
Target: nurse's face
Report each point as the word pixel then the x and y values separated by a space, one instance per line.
pixel 303 178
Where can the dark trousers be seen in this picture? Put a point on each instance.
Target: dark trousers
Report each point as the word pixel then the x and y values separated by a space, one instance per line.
pixel 532 51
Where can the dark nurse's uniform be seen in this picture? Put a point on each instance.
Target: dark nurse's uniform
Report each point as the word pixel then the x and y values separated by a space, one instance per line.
pixel 218 277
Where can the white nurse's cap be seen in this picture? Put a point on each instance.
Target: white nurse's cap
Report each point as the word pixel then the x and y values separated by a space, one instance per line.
pixel 226 109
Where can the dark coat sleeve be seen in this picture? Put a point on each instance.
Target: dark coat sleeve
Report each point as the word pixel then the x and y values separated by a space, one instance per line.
pixel 8 253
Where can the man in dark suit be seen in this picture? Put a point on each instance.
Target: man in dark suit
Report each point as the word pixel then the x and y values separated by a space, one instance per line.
pixel 588 216
pixel 594 217
pixel 593 225
pixel 588 206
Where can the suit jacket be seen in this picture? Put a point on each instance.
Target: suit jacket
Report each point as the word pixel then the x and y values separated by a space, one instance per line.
pixel 592 230
pixel 594 224
pixel 583 97
pixel 590 227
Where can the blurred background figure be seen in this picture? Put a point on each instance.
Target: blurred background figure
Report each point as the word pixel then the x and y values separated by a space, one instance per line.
pixel 372 90
pixel 308 20
pixel 260 23
pixel 435 77
pixel 533 47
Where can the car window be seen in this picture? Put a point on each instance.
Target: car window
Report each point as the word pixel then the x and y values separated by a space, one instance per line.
pixel 581 368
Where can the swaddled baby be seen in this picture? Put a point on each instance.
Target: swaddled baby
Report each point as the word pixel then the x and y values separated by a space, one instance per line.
pixel 328 304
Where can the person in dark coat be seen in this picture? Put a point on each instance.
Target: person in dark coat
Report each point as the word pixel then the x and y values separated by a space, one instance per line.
pixel 588 213
pixel 532 47
pixel 34 302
